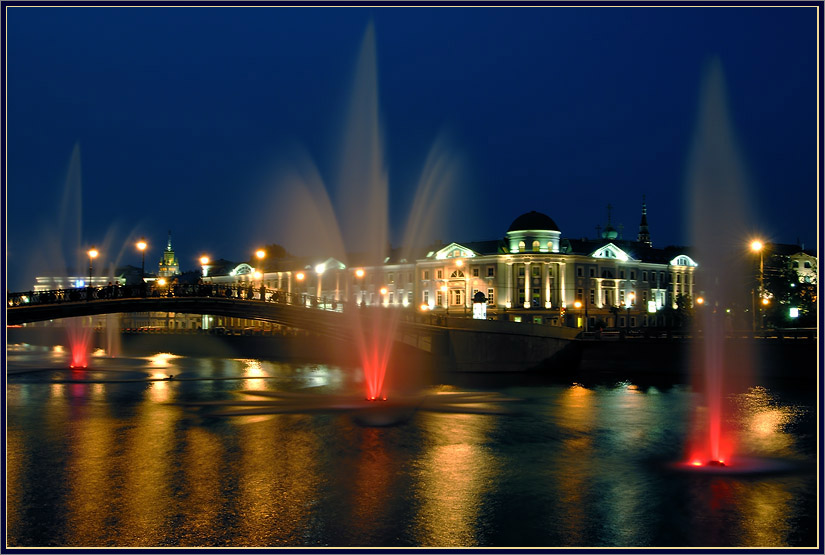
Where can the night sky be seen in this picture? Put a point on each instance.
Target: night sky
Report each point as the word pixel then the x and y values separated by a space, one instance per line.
pixel 183 115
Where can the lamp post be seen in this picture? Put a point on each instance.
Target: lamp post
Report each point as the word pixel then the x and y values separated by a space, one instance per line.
pixel 630 298
pixel 141 245
pixel 578 304
pixel 359 274
pixel 758 246
pixel 92 255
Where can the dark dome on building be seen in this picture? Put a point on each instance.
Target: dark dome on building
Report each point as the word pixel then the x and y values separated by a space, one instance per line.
pixel 533 220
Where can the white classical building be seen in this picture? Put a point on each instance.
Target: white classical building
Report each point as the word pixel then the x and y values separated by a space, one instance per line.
pixel 532 274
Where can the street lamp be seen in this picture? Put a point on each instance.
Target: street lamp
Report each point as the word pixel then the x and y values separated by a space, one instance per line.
pixel 630 298
pixel 758 246
pixel 204 260
pixel 92 255
pixel 141 245
pixel 578 304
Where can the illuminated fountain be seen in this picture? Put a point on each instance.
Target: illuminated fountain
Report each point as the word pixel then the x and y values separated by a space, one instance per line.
pixel 719 210
pixel 359 223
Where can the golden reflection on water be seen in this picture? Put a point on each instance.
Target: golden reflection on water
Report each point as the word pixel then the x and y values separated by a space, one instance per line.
pixel 253 369
pixel 147 474
pixel 202 478
pixel 455 472
pixel 278 479
pixel 576 414
pixel 90 484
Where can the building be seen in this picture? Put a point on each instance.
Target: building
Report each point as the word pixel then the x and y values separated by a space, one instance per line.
pixel 532 274
pixel 168 265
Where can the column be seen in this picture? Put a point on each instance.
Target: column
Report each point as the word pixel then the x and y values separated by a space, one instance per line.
pixel 527 285
pixel 548 302
pixel 510 269
pixel 562 293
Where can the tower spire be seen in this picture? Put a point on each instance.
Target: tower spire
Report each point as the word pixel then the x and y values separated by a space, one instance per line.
pixel 169 241
pixel 644 231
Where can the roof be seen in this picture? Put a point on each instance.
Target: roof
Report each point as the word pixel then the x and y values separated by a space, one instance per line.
pixel 533 220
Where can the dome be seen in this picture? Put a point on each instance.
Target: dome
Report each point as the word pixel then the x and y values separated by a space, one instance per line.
pixel 533 221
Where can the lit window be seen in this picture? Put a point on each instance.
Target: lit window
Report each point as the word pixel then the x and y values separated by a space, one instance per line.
pixel 521 271
pixel 426 297
pixel 439 274
pixel 536 246
pixel 521 246
pixel 549 245
pixel 536 270
pixel 491 297
pixel 457 274
pixel 426 274
pixel 475 272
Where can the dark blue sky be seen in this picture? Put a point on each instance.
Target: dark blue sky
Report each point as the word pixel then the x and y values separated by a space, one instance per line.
pixel 179 112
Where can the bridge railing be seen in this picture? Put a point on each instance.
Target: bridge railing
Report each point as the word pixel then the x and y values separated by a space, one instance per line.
pixel 198 290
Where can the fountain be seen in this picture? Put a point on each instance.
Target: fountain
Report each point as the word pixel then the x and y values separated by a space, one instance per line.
pixel 360 224
pixel 719 210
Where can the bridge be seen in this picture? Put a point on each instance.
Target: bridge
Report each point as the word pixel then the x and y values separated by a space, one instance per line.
pixel 464 343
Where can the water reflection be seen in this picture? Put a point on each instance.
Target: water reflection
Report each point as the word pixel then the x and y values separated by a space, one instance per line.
pixel 118 462
pixel 454 474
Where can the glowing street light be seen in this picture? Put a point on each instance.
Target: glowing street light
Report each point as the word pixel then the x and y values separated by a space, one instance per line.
pixel 383 291
pixel 141 245
pixel 758 246
pixel 92 255
pixel 578 304
pixel 204 260
pixel 700 300
pixel 359 272
pixel 300 276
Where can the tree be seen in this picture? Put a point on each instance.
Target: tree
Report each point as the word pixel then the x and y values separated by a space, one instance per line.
pixel 785 291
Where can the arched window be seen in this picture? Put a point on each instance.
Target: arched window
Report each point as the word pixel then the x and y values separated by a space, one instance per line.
pixel 796 263
pixel 457 274
pixel 521 246
pixel 536 246
pixel 550 246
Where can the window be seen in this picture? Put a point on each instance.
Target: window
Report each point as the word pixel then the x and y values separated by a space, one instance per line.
pixel 550 271
pixel 426 274
pixel 456 253
pixel 592 296
pixel 536 246
pixel 439 298
pixel 521 246
pixel 807 264
pixel 632 274
pixel 457 274
pixel 607 274
pixel 621 274
pixel 579 272
pixel 426 297
pixel 662 277
pixel 796 263
pixel 579 294
pixel 456 296
pixel 632 321
pixel 536 270
pixel 644 297
pixel 678 278
pixel 439 274
pixel 592 272
pixel 491 271
pixel 550 246
pixel 390 278
pixel 621 297
pixel 491 296
pixel 391 298
pixel 409 297
pixel 475 272
pixel 521 271
pixel 644 276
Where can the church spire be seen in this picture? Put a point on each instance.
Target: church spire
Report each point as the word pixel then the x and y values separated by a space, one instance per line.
pixel 169 241
pixel 644 232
